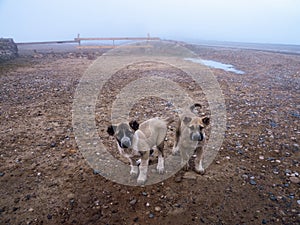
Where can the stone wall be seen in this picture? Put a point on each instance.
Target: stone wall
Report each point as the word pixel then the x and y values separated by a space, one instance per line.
pixel 8 49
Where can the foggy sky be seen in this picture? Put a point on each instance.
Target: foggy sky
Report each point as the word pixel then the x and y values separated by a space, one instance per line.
pixel 260 21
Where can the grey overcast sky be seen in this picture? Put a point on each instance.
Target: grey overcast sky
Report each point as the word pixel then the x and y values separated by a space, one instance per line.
pixel 262 21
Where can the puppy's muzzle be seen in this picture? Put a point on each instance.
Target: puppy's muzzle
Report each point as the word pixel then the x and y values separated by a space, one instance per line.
pixel 125 142
pixel 198 136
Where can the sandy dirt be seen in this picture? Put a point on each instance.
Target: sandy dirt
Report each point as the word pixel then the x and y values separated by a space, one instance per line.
pixel 44 179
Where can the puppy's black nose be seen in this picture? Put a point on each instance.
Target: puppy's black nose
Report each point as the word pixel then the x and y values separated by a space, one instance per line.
pixel 125 143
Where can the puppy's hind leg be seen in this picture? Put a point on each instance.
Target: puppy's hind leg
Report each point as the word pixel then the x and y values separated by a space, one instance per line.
pixel 175 149
pixel 161 163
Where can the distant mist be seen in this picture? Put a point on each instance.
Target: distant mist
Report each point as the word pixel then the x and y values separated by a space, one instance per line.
pixel 257 21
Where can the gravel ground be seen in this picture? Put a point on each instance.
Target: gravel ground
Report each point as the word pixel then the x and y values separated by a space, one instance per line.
pixel 44 179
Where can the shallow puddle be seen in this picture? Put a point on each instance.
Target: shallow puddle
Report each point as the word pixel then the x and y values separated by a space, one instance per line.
pixel 216 65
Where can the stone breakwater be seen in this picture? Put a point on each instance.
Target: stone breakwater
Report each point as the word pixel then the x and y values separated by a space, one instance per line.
pixel 8 49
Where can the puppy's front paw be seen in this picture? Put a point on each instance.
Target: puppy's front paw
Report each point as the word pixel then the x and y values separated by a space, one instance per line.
pixel 200 171
pixel 160 169
pixel 186 167
pixel 199 168
pixel 175 150
pixel 141 181
pixel 134 171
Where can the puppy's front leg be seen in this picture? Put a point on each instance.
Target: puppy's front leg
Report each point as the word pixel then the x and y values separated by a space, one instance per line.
pixel 199 160
pixel 134 170
pixel 184 159
pixel 143 168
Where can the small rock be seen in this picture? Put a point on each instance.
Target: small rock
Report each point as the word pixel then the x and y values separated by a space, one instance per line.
pixel 132 202
pixel 147 204
pixel 252 182
pixel 144 193
pixel 298 202
pixel 178 179
pixel 273 198
pixel 190 176
pixel 30 210
pixel 261 157
pixel 151 215
pixel 96 171
pixel 295 180
pixel 49 216
pixel 245 176
pixel 1 174
pixel 53 144
pixel 264 221
pixel 158 209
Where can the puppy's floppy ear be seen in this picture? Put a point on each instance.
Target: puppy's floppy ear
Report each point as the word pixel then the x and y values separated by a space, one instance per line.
pixel 206 120
pixel 111 130
pixel 186 120
pixel 134 125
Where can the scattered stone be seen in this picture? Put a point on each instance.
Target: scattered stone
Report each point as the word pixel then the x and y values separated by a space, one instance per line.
pixel 158 209
pixel 133 201
pixel 264 221
pixel 30 210
pixel 49 216
pixel 147 204
pixel 1 174
pixel 298 202
pixel 252 182
pixel 53 144
pixel 295 180
pixel 190 175
pixel 245 176
pixel 151 215
pixel 144 193
pixel 273 197
pixel 276 171
pixel 178 179
pixel 96 172
pixel 261 157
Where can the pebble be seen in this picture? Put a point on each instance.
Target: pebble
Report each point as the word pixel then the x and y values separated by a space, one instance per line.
pixel 53 144
pixel 30 210
pixel 261 157
pixel 147 204
pixel 252 182
pixel 49 216
pixel 190 175
pixel 151 215
pixel 96 172
pixel 298 202
pixel 132 202
pixel 1 174
pixel 158 209
pixel 245 176
pixel 295 180
pixel 177 179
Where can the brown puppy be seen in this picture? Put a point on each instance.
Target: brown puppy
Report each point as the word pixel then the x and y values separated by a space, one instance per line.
pixel 190 136
pixel 137 140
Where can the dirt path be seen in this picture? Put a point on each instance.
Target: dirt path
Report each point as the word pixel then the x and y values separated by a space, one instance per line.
pixel 44 178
